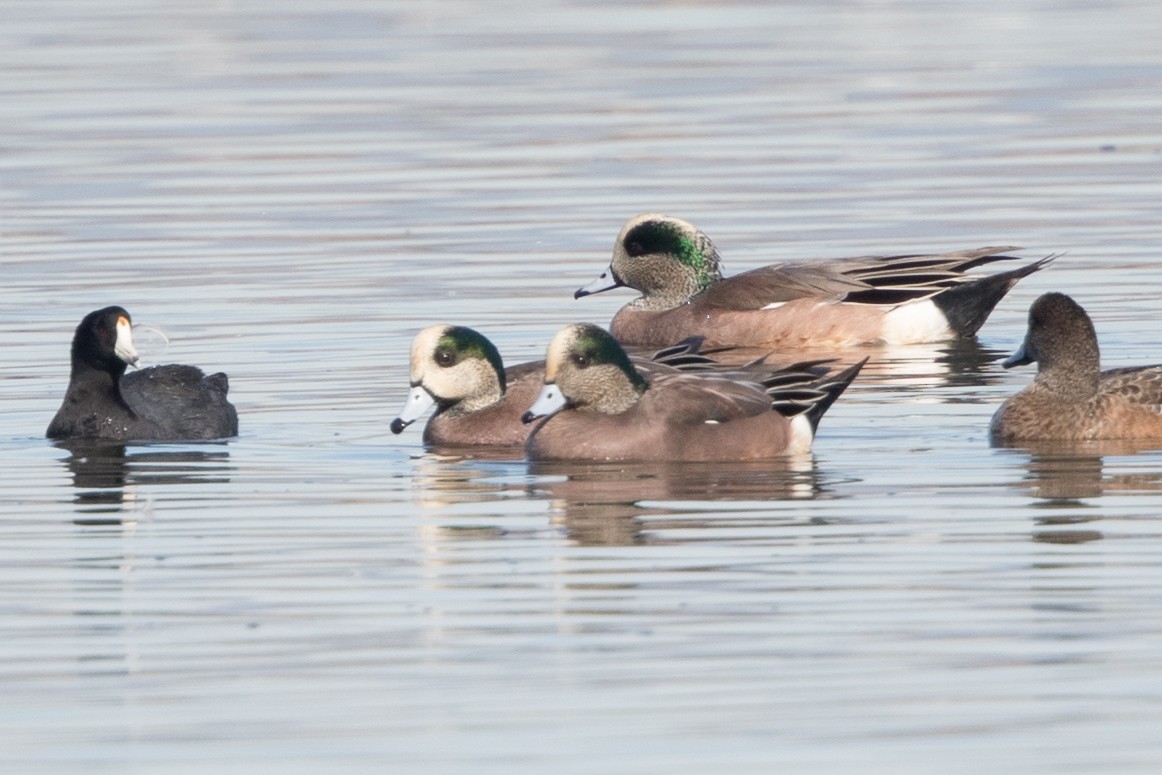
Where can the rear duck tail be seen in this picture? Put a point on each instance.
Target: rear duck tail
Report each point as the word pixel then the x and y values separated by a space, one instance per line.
pixel 810 398
pixel 968 305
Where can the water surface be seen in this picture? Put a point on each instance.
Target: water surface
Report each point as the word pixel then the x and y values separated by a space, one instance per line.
pixel 290 192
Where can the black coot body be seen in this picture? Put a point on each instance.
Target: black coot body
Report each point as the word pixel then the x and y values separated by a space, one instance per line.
pixel 161 403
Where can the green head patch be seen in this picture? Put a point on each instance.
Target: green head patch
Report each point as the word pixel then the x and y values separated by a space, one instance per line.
pixel 686 244
pixel 593 346
pixel 460 343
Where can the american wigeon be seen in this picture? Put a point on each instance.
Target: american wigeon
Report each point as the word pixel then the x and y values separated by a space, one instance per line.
pixel 822 304
pixel 161 403
pixel 600 408
pixel 1071 398
pixel 478 401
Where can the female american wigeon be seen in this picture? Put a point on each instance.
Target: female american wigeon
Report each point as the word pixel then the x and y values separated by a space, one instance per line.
pixel 824 304
pixel 600 408
pixel 162 403
pixel 1071 398
pixel 478 401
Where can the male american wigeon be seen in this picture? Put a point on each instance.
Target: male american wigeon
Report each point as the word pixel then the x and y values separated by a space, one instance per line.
pixel 600 408
pixel 1071 398
pixel 478 401
pixel 819 304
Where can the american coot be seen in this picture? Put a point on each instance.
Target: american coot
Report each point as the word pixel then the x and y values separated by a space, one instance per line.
pixel 161 403
pixel 816 304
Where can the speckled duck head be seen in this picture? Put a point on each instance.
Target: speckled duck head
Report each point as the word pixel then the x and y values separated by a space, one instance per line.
pixel 454 368
pixel 586 369
pixel 666 258
pixel 1062 341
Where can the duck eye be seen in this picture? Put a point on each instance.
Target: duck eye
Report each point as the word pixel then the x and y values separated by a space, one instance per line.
pixel 102 330
pixel 635 248
pixel 580 360
pixel 445 357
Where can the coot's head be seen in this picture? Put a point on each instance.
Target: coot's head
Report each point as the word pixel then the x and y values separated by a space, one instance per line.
pixel 104 340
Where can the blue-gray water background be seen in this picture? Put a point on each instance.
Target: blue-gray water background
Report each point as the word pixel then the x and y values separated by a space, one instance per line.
pixel 291 190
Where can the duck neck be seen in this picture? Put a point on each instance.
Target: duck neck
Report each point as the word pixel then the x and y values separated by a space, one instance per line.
pixel 622 397
pixel 1075 378
pixel 693 268
pixel 670 295
pixel 482 399
pixel 479 383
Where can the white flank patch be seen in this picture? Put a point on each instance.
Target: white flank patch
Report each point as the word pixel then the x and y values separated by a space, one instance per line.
pixel 775 305
pixel 918 321
pixel 711 422
pixel 801 435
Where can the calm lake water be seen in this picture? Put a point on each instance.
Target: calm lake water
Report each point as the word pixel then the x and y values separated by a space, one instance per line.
pixel 290 191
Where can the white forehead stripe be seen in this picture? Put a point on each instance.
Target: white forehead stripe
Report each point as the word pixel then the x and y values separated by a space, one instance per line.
pixel 423 347
pixel 558 352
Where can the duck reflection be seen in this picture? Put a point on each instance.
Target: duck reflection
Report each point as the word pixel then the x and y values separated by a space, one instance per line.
pixel 1063 472
pixel 106 475
pixel 603 504
pixel 1064 475
pixel 960 363
pixel 475 484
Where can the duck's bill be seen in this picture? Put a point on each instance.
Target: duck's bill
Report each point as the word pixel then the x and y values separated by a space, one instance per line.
pixel 418 402
pixel 1019 358
pixel 123 347
pixel 606 281
pixel 549 401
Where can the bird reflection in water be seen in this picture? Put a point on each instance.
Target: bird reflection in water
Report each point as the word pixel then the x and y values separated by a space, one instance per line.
pixel 1065 475
pixel 107 476
pixel 606 504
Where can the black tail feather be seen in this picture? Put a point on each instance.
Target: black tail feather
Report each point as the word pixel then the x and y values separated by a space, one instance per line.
pixel 968 305
pixel 814 398
pixel 686 355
